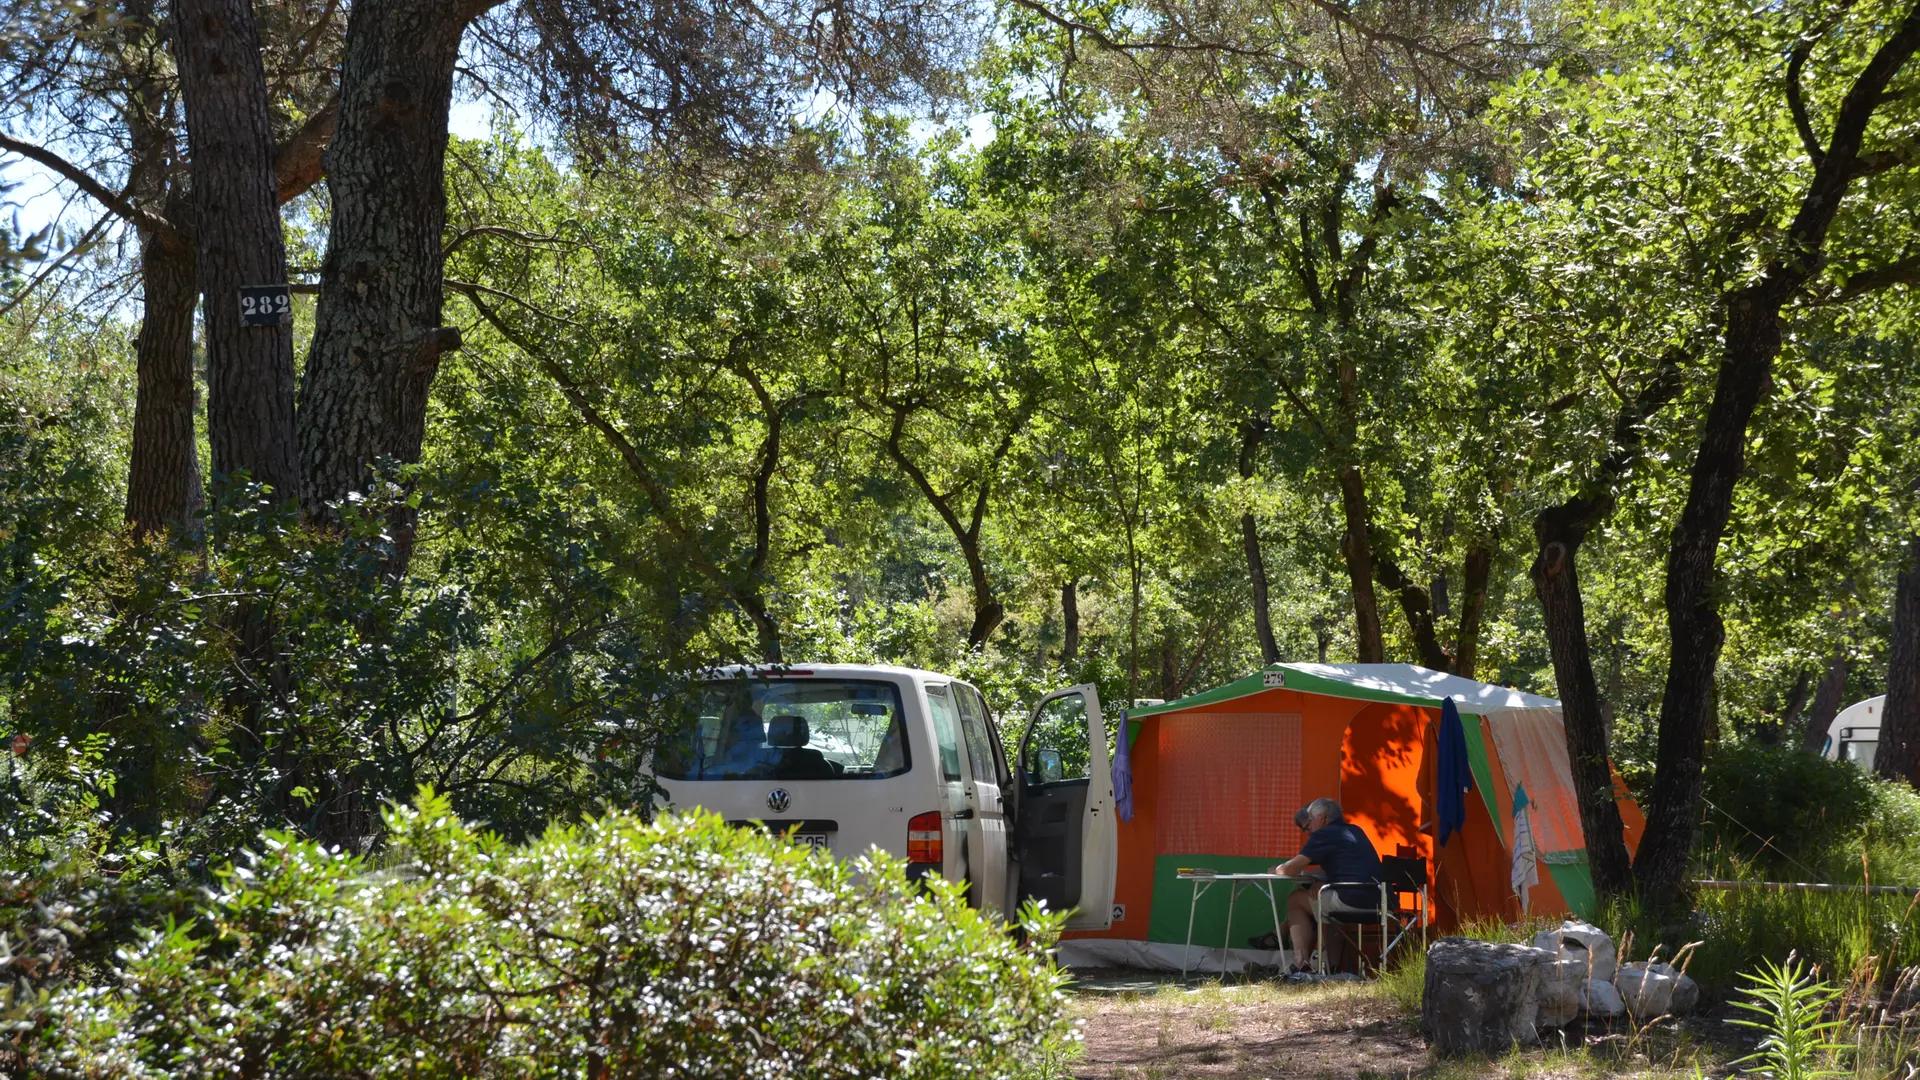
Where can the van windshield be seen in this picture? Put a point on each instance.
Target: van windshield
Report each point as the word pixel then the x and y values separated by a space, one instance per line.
pixel 791 729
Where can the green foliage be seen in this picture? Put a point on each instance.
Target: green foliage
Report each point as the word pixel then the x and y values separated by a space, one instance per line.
pixel 605 948
pixel 164 734
pixel 1788 811
pixel 1791 1008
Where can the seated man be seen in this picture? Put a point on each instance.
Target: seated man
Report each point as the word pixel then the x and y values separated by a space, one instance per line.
pixel 1345 855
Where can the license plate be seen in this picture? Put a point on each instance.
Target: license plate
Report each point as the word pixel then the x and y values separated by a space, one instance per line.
pixel 818 841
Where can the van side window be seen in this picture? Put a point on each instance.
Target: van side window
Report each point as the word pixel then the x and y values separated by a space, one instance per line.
pixel 973 723
pixel 946 725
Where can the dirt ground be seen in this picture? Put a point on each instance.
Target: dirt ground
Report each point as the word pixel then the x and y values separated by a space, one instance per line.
pixel 1139 1026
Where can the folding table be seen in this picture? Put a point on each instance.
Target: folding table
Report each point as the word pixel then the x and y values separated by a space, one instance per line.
pixel 1204 879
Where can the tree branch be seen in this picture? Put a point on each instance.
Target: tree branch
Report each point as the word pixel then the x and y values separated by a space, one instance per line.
pixel 1796 99
pixel 1899 272
pixel 116 202
pixel 1829 185
pixel 299 162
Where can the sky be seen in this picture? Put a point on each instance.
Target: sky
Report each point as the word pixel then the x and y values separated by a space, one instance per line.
pixel 39 199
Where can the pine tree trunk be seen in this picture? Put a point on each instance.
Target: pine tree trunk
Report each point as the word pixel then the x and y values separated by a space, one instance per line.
pixel 238 239
pixel 163 472
pixel 1898 757
pixel 1473 609
pixel 1356 547
pixel 1556 581
pixel 1826 702
pixel 378 336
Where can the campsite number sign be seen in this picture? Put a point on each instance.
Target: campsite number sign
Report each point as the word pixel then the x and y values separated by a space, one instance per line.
pixel 1275 678
pixel 266 305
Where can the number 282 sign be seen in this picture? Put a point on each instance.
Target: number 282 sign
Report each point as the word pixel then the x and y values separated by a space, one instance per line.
pixel 266 305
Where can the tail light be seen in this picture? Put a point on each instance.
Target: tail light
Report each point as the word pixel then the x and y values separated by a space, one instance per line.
pixel 923 838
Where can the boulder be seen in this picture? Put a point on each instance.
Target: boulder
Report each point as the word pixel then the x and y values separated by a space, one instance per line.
pixel 1601 999
pixel 1686 992
pixel 1575 938
pixel 1481 997
pixel 1650 990
pixel 1561 982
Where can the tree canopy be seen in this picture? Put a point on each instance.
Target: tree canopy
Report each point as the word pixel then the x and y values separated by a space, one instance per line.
pixel 1563 345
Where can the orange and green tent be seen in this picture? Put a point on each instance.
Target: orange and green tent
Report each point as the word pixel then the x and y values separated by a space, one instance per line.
pixel 1218 776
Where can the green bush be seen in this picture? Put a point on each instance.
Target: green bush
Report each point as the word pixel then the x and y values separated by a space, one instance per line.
pixel 1777 807
pixel 610 948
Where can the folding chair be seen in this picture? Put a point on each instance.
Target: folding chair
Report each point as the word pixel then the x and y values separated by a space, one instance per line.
pixel 1402 909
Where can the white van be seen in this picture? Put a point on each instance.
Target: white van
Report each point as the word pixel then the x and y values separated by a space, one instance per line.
pixel 1854 734
pixel 852 757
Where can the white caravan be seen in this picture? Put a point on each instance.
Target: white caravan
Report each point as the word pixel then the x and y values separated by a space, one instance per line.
pixel 851 757
pixel 1854 735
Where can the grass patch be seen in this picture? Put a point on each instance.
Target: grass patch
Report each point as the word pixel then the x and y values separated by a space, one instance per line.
pixel 1843 935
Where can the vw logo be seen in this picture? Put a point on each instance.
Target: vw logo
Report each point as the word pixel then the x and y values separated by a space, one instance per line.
pixel 778 800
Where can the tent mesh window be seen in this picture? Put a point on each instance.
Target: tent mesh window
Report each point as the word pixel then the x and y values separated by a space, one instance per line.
pixel 1229 784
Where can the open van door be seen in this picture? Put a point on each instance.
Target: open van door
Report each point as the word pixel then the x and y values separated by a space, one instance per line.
pixel 1065 832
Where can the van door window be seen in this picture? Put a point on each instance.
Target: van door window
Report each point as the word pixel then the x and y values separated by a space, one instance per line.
pixel 1057 749
pixel 973 724
pixel 946 731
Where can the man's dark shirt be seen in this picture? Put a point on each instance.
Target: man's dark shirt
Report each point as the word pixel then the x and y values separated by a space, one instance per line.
pixel 1346 854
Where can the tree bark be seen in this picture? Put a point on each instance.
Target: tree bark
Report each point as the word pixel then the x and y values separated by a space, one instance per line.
pixel 1356 547
pixel 1417 606
pixel 1826 702
pixel 1070 614
pixel 1473 609
pixel 1750 341
pixel 1898 757
pixel 238 240
pixel 1556 581
pixel 164 492
pixel 1257 574
pixel 163 471
pixel 1558 531
pixel 987 610
pixel 1694 626
pixel 753 588
pixel 1797 699
pixel 1251 434
pixel 378 336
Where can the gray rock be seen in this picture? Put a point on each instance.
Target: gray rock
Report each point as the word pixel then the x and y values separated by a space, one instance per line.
pixel 1601 999
pixel 1561 983
pixel 1481 997
pixel 1651 990
pixel 1584 940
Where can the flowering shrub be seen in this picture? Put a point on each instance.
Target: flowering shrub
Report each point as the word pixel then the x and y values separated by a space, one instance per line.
pixel 614 948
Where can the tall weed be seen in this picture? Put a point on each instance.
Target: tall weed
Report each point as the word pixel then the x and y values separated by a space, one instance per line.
pixel 1791 1009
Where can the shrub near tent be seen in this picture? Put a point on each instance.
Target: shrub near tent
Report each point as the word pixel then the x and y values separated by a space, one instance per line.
pixel 612 948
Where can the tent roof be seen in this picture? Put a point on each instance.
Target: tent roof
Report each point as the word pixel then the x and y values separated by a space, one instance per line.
pixel 1402 684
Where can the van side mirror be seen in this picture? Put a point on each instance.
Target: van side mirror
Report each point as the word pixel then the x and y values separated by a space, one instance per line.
pixel 1048 767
